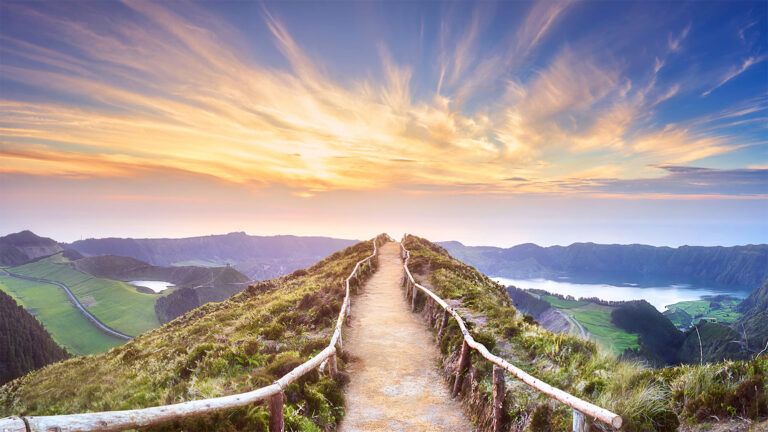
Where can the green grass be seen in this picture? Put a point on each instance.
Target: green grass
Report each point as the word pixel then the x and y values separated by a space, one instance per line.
pixel 647 399
pixel 238 345
pixel 596 319
pixel 63 321
pixel 598 323
pixel 562 303
pixel 115 303
pixel 724 310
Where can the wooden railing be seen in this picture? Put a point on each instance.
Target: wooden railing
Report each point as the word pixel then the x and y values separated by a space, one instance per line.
pixel 581 408
pixel 136 418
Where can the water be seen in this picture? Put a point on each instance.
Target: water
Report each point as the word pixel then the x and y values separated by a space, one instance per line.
pixel 156 286
pixel 659 296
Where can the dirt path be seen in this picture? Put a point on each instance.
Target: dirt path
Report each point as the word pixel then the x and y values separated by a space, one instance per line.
pixel 395 384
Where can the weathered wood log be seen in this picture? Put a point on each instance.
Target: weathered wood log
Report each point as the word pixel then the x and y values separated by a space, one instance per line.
pixel 276 420
pixel 498 398
pixel 461 368
pixel 580 423
pixel 333 370
pixel 12 424
pixel 443 324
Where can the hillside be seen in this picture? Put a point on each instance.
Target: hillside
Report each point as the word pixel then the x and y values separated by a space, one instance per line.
pixel 50 305
pixel 634 329
pixel 753 325
pixel 738 266
pixel 238 345
pixel 257 257
pixel 24 246
pixel 24 343
pixel 647 399
pixel 195 286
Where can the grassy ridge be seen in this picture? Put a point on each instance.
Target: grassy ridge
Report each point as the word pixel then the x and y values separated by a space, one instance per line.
pixel 63 321
pixel 238 345
pixel 596 319
pixel 115 303
pixel 721 308
pixel 648 400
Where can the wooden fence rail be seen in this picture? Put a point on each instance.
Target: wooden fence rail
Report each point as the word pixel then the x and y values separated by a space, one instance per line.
pixel 136 418
pixel 580 406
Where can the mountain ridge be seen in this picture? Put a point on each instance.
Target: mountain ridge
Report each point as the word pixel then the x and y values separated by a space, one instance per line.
pixel 734 266
pixel 258 257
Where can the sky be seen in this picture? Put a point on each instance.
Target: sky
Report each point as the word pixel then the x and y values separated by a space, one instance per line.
pixel 487 123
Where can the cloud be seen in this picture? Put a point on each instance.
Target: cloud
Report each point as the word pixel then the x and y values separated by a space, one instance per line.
pixel 736 71
pixel 172 90
pixel 674 42
pixel 689 180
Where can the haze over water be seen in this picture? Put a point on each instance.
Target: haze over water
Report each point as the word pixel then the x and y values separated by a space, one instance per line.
pixel 659 296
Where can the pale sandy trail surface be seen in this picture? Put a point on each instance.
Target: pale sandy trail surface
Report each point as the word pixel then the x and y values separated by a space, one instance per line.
pixel 394 381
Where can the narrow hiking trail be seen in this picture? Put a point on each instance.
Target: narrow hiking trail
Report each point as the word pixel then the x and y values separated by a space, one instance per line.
pixel 394 381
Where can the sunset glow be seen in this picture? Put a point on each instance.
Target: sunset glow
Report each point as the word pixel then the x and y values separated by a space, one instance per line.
pixel 140 118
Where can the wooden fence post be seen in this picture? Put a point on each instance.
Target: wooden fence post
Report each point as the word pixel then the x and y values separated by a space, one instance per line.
pixel 413 299
pixel 443 323
pixel 332 367
pixel 580 422
pixel 276 421
pixel 498 398
pixel 462 367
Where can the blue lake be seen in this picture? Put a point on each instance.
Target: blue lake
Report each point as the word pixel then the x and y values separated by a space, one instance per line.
pixel 659 296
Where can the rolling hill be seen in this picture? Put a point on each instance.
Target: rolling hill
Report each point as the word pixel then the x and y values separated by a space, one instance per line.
pixel 222 348
pixel 257 257
pixel 258 335
pixel 647 399
pixel 737 266
pixel 194 286
pixel 115 303
pixel 22 247
pixel 24 343
pixel 753 325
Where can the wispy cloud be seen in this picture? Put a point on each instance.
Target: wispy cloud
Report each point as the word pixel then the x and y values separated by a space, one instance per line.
pixel 736 71
pixel 166 90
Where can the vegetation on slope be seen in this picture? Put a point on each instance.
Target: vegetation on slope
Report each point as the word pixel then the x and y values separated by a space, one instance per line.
pixel 597 320
pixel 195 286
pixel 647 399
pixel 753 324
pixel 24 343
pixel 722 308
pixel 659 339
pixel 238 345
pixel 50 305
pixel 115 303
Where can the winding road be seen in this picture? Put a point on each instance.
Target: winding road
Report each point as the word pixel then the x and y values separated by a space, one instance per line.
pixel 95 321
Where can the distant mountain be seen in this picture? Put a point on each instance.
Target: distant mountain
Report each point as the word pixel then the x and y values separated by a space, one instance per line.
pixel 737 266
pixel 753 324
pixel 25 246
pixel 256 256
pixel 195 285
pixel 24 344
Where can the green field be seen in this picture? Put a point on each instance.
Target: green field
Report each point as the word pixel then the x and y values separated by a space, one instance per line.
pixel 722 309
pixel 68 327
pixel 596 320
pixel 115 303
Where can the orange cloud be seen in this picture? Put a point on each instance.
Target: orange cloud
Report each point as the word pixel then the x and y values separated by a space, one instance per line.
pixel 176 94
